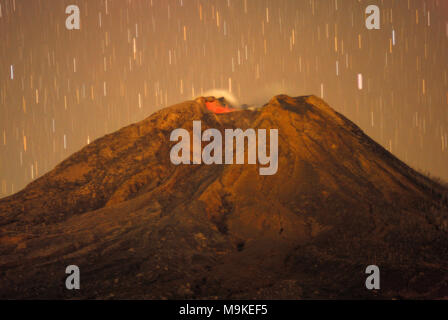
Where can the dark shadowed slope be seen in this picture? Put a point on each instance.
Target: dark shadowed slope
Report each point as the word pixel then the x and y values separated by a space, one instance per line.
pixel 141 227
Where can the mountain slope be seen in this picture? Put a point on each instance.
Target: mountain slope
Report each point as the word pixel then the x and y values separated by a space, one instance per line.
pixel 140 227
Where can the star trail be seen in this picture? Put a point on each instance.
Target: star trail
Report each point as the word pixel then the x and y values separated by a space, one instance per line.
pixel 61 89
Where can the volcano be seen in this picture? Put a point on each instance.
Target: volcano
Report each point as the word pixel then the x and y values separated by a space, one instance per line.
pixel 140 227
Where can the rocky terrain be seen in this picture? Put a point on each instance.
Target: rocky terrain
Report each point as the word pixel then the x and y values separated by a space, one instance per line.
pixel 140 227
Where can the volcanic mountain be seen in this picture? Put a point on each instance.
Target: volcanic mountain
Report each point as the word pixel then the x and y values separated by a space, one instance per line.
pixel 138 226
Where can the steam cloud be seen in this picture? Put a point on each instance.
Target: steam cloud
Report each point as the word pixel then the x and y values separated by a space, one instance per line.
pixel 217 93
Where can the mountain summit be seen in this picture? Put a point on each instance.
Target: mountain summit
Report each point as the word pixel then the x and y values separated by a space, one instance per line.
pixel 139 226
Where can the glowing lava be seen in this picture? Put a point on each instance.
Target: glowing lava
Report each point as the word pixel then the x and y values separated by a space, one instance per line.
pixel 217 106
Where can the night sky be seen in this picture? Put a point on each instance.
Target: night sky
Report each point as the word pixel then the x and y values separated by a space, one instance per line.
pixel 61 89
